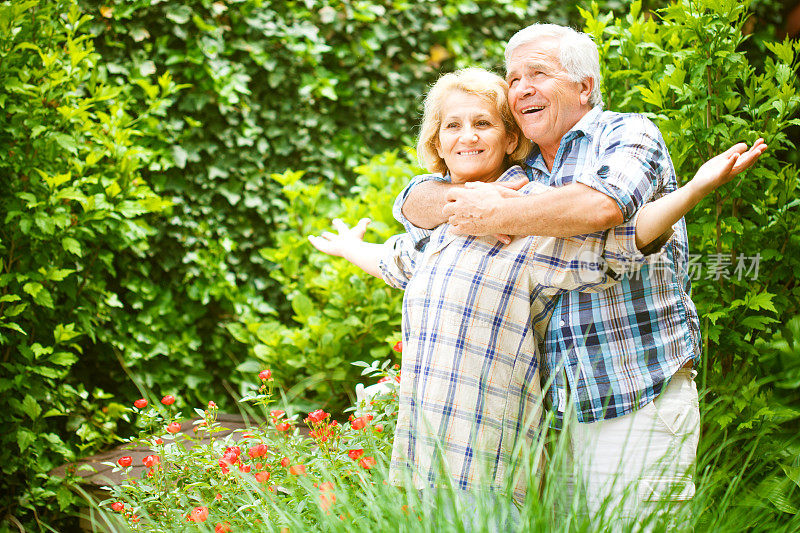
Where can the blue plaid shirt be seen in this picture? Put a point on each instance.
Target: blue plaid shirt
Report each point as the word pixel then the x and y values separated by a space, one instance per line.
pixel 614 350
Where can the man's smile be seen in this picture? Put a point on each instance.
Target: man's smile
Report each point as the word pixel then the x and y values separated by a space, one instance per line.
pixel 532 109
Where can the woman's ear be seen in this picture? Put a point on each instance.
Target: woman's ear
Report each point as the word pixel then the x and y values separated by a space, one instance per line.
pixel 439 148
pixel 512 140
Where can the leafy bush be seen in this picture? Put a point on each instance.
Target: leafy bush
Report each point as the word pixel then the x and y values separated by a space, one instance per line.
pixel 75 218
pixel 340 314
pixel 260 478
pixel 686 70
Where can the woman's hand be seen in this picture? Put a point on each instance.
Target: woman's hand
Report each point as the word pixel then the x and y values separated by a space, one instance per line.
pixel 721 169
pixel 343 240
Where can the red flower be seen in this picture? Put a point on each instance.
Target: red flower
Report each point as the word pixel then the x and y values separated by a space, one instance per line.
pixel 265 375
pixel 169 399
pixel 222 527
pixel 233 450
pixel 277 413
pixel 198 514
pixel 118 506
pixel 398 347
pixel 285 462
pixel 297 470
pixel 257 451
pixel 283 426
pixel 367 463
pixel 355 454
pixel 174 427
pixel 218 496
pixel 262 477
pixel 317 416
pixel 359 423
pixel 141 403
pixel 378 428
pixel 212 405
pixel 244 468
pixel 125 461
pixel 159 441
pixel 151 461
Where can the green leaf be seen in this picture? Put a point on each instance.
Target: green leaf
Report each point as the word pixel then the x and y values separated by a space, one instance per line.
pixel 63 359
pixel 59 274
pixel 250 367
pixel 24 439
pixel 31 407
pixel 65 497
pixel 238 332
pixel 13 326
pixel 761 300
pixel 71 245
pixel 66 142
pixel 15 310
pixel 302 305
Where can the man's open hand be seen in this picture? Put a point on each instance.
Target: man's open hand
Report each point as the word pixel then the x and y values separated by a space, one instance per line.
pixel 470 209
pixel 721 169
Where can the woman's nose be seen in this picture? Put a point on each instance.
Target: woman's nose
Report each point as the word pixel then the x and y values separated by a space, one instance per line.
pixel 470 135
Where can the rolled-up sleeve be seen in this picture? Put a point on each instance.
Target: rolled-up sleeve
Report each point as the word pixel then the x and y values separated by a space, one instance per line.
pixel 632 164
pixel 399 261
pixel 417 234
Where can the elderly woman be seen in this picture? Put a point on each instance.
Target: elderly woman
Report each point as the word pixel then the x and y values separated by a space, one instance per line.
pixel 474 308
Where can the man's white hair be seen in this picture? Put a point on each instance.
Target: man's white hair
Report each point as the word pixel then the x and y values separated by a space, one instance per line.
pixel 577 53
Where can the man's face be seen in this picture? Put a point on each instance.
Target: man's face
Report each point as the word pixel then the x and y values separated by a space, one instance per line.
pixel 545 103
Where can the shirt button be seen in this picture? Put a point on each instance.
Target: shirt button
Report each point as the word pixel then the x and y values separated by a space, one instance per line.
pixel 562 323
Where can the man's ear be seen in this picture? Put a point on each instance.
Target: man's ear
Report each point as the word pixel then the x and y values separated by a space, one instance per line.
pixel 512 140
pixel 587 85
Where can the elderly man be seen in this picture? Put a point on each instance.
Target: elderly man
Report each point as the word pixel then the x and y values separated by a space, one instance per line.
pixel 621 359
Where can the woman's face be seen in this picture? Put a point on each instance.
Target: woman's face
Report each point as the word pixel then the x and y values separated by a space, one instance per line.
pixel 472 138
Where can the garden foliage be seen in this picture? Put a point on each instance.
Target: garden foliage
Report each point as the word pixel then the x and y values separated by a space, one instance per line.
pixel 74 220
pixel 687 72
pixel 164 162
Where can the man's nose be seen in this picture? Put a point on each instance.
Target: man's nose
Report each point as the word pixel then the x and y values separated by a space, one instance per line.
pixel 526 87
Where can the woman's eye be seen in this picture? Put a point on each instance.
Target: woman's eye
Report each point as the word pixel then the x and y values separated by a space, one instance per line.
pixel 483 123
pixel 451 125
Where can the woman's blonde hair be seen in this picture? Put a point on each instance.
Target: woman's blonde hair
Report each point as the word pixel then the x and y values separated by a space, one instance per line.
pixel 477 81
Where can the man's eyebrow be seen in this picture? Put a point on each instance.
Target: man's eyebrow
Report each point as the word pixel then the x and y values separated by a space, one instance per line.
pixel 538 65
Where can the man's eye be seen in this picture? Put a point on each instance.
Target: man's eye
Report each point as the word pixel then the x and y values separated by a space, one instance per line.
pixel 512 81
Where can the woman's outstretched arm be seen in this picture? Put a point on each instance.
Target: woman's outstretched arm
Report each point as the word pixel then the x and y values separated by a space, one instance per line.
pixel 349 243
pixel 657 217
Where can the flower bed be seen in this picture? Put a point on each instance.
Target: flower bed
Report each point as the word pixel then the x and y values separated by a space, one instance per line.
pixel 271 475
